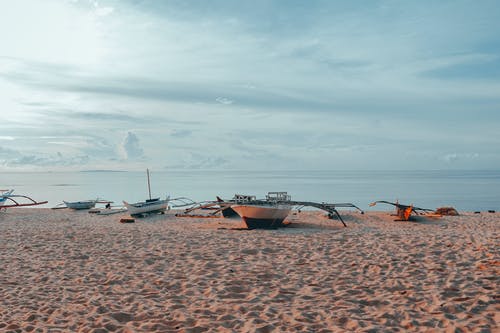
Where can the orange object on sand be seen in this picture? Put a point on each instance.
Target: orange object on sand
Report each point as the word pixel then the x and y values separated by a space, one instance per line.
pixel 407 212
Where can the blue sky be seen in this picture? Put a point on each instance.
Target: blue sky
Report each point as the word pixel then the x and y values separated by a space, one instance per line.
pixel 249 85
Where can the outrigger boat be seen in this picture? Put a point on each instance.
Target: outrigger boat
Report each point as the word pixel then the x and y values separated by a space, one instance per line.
pixel 9 200
pixel 78 205
pixel 81 205
pixel 217 206
pixel 403 212
pixel 269 213
pixel 149 206
pixel 261 213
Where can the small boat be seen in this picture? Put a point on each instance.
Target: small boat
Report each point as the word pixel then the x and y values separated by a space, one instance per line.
pixel 149 206
pixel 78 205
pixel 265 214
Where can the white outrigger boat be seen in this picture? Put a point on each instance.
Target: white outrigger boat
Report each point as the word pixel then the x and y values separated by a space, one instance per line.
pixel 147 207
pixel 155 205
pixel 79 205
pixel 83 204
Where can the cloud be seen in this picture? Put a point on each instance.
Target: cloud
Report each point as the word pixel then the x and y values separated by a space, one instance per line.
pixel 260 82
pixel 104 11
pixel 16 158
pixel 132 148
pixel 198 161
pixel 466 67
pixel 36 160
pixel 208 163
pixel 180 133
pixel 65 78
pixel 455 157
pixel 7 153
pixel 223 100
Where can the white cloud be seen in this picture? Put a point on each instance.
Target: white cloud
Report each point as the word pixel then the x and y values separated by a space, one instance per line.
pixel 223 100
pixel 180 133
pixel 455 157
pixel 131 147
pixel 104 11
pixel 13 158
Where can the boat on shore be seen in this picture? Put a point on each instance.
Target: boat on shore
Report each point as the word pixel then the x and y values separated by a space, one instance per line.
pixel 265 214
pixel 80 205
pixel 149 206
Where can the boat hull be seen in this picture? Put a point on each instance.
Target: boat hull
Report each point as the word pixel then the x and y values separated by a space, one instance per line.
pixel 262 217
pixel 228 212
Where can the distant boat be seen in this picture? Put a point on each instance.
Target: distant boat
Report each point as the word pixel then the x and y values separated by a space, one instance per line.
pixel 77 205
pixel 265 214
pixel 149 206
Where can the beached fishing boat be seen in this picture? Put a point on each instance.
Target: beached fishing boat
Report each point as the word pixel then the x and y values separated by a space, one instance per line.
pixel 78 205
pixel 268 213
pixel 149 206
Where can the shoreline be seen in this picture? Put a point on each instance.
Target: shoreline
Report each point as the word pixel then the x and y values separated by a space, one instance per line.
pixel 73 271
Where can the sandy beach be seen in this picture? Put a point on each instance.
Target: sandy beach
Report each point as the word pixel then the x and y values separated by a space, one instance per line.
pixel 67 271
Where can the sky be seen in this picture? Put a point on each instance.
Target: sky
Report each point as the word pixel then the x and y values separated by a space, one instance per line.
pixel 249 85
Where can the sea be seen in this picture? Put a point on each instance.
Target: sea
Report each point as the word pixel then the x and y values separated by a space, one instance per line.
pixel 471 190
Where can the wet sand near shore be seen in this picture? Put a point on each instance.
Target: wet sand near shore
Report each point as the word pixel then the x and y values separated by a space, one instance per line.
pixel 70 271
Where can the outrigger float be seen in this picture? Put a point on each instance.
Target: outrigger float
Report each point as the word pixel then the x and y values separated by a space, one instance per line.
pixel 264 213
pixel 9 200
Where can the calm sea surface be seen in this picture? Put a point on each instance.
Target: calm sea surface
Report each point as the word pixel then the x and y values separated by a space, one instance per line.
pixel 464 190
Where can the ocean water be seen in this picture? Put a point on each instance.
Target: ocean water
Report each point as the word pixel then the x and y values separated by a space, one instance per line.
pixel 464 190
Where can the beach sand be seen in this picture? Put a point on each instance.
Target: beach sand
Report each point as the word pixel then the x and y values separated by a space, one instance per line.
pixel 67 271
